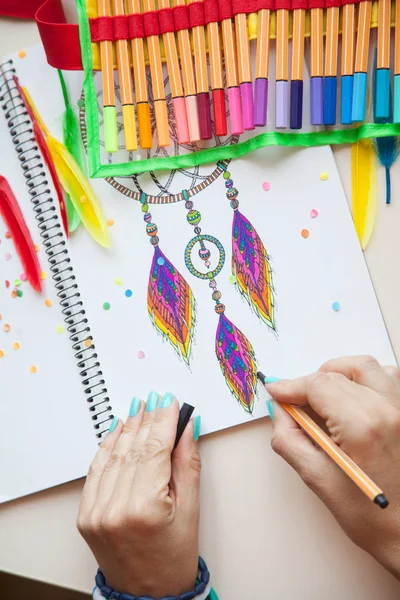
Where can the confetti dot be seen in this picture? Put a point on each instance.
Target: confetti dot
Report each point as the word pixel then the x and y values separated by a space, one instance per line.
pixel 110 222
pixel 16 346
pixel 81 103
pixel 7 235
pixel 23 277
pixel 336 306
pixel 48 302
pixel 33 369
pixel 141 354
pixel 161 260
pixel 119 281
pixel 7 283
pixel 2 353
pixel 60 329
pixel 106 306
pixel 7 328
pixel 88 343
pixel 17 282
pixel 323 176
pixel 43 275
pixel 128 293
pixel 20 293
pixel 14 294
pixel 232 279
pixel 314 213
pixel 7 256
pixel 37 247
pixel 83 199
pixel 266 186
pixel 305 233
pixel 22 54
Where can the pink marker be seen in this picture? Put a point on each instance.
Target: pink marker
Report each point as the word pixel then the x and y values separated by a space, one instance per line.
pixel 232 80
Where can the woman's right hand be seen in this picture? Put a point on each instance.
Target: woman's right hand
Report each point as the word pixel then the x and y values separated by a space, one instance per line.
pixel 360 402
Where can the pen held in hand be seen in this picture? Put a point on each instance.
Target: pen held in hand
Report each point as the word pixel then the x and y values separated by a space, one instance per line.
pixel 357 475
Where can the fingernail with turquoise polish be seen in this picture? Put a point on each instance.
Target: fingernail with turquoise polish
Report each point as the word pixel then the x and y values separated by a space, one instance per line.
pixel 270 408
pixel 166 400
pixel 152 401
pixel 271 379
pixel 135 405
pixel 113 425
pixel 196 428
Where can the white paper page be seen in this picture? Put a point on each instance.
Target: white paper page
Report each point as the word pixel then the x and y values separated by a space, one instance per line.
pixel 46 436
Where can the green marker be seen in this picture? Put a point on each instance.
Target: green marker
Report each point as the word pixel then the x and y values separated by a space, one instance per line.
pixel 110 129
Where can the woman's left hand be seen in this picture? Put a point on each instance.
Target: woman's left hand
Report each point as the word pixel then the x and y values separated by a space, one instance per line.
pixel 140 507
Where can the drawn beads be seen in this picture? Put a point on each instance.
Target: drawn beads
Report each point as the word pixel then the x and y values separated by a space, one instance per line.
pixel 188 205
pixel 145 207
pixel 216 295
pixel 151 229
pixel 219 308
pixel 204 254
pixel 232 193
pixel 197 230
pixel 147 217
pixel 226 173
pixel 154 240
pixel 229 183
pixel 193 217
pixel 234 204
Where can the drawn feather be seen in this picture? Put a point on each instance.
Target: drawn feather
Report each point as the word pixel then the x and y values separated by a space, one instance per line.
pixel 73 143
pixel 75 184
pixel 171 305
pixel 237 361
pixel 387 151
pixel 15 222
pixel 41 142
pixel 364 189
pixel 250 265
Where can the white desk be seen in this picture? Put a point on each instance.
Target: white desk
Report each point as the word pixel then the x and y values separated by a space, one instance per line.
pixel 252 554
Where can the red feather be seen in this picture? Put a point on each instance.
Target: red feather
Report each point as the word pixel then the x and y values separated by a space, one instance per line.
pixel 15 222
pixel 40 139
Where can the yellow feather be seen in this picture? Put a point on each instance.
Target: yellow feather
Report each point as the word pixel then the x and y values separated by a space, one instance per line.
pixel 75 184
pixel 364 189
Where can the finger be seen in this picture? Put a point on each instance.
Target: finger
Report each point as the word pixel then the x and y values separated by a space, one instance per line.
pixel 394 374
pixel 315 468
pixel 96 469
pixel 153 473
pixel 117 458
pixel 364 370
pixel 185 477
pixel 331 395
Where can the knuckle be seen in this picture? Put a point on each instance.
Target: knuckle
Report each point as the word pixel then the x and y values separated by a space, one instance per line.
pixel 112 522
pixel 367 363
pixel 114 461
pixel 133 455
pixel 143 517
pixel 195 462
pixel 152 449
pixel 278 443
pixel 316 381
pixel 393 372
pixel 370 430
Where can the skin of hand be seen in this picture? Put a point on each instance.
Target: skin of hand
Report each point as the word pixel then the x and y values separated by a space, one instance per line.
pixel 139 512
pixel 360 403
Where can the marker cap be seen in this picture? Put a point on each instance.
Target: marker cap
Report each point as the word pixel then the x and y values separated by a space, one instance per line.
pixel 161 114
pixel 235 111
pixel 346 99
pixel 281 104
pixel 129 121
pixel 359 96
pixel 193 118
pixel 382 94
pixel 330 89
pixel 260 102
pixel 110 129
pixel 296 104
pixel 144 123
pixel 396 101
pixel 246 94
pixel 220 124
pixel 182 128
pixel 317 101
pixel 203 106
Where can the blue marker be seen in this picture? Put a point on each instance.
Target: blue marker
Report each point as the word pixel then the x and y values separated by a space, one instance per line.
pixel 331 52
pixel 347 79
pixel 382 78
pixel 361 63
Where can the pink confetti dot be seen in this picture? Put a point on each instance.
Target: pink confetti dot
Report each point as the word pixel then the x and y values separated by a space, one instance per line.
pixel 266 186
pixel 23 277
pixel 7 256
pixel 141 354
pixel 314 213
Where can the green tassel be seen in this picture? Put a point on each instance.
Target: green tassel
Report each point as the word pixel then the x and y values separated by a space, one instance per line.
pixel 73 142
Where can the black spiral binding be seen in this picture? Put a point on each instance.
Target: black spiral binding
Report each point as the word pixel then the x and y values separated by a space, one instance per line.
pixel 52 234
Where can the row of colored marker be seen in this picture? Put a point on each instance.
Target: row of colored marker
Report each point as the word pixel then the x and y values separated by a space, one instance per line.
pixel 189 83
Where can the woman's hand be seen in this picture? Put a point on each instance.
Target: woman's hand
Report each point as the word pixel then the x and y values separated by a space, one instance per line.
pixel 140 507
pixel 360 402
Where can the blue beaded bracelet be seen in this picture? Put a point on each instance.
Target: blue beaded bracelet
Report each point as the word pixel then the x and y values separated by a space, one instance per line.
pixel 200 587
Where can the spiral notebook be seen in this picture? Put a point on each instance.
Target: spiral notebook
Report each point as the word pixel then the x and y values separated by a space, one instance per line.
pixel 58 391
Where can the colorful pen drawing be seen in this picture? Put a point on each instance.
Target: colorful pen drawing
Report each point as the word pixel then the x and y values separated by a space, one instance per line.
pixel 170 300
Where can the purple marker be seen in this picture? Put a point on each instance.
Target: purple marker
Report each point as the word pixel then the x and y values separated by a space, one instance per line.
pixel 260 102
pixel 246 94
pixel 281 104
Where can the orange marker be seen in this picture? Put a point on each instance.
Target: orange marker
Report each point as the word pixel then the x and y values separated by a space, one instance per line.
pixel 189 83
pixel 217 80
pixel 157 80
pixel 317 67
pixel 348 466
pixel 175 82
pixel 125 84
pixel 331 57
pixel 232 81
pixel 139 72
pixel 244 66
pixel 396 79
pixel 282 68
pixel 361 64
pixel 296 84
pixel 107 70
pixel 382 79
pixel 348 43
pixel 203 97
pixel 262 57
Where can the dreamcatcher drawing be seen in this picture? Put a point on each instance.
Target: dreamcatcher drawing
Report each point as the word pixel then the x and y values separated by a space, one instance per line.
pixel 170 300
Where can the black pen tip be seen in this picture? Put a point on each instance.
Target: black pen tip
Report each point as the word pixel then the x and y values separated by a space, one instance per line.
pixel 381 501
pixel 261 376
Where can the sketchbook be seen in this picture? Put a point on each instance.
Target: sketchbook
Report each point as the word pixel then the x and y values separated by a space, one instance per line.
pixel 213 272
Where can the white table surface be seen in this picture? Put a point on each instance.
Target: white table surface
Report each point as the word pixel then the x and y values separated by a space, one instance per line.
pixel 263 533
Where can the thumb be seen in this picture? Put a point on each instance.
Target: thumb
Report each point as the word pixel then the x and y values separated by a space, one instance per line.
pixel 186 467
pixel 315 468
